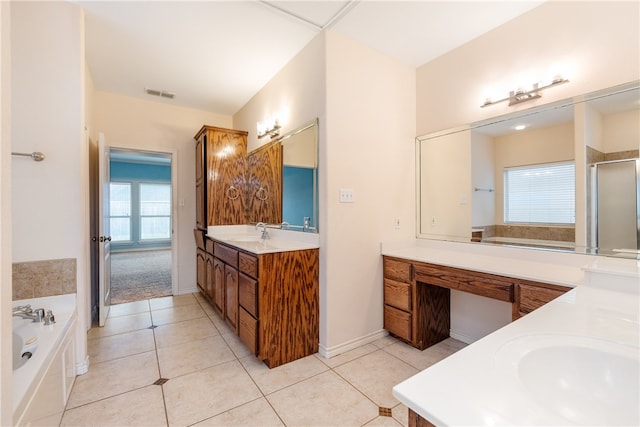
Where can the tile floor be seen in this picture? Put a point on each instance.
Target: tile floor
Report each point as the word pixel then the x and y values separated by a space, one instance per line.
pixel 213 380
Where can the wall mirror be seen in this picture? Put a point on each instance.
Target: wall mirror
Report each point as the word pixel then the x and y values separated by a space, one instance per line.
pixel 283 180
pixel 536 178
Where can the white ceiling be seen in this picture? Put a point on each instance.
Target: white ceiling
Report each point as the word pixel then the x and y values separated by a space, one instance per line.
pixel 215 55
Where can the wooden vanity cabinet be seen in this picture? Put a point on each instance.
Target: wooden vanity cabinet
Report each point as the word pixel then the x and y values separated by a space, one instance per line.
pixel 220 176
pixel 532 295
pixel 417 297
pixel 271 301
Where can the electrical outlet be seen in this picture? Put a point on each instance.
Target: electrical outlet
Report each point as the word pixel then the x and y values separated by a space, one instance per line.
pixel 396 223
pixel 346 195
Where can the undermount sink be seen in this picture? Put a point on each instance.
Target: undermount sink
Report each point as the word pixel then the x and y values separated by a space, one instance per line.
pixel 586 381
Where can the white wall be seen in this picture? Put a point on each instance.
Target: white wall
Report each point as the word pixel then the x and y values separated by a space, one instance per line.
pixel 153 126
pixel 47 116
pixel 367 127
pixel 595 44
pixel 6 400
pixel 369 148
pixel 295 95
pixel 621 131
pixel 50 198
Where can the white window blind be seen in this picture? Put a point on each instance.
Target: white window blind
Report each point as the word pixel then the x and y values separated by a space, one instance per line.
pixel 120 211
pixel 540 194
pixel 155 211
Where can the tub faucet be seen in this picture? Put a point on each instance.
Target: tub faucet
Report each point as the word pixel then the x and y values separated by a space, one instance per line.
pixel 265 233
pixel 26 312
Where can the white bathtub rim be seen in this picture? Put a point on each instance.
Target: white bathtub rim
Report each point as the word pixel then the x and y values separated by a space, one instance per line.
pixel 27 377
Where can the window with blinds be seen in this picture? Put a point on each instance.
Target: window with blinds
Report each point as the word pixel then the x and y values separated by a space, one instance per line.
pixel 540 194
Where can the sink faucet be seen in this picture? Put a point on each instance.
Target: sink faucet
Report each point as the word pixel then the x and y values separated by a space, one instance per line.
pixel 26 312
pixel 265 233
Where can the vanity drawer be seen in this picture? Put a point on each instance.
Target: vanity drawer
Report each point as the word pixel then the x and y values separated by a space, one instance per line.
pixel 486 285
pixel 226 254
pixel 531 297
pixel 397 270
pixel 248 294
pixel 248 330
pixel 248 264
pixel 397 322
pixel 397 294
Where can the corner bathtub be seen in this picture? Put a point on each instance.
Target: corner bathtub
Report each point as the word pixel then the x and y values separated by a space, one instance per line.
pixel 42 382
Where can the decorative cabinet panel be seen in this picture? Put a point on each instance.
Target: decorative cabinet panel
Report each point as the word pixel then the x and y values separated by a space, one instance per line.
pixel 264 186
pixel 270 300
pixel 220 176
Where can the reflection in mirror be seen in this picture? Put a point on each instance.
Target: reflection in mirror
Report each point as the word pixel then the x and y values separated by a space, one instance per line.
pixel 523 179
pixel 283 181
pixel 300 178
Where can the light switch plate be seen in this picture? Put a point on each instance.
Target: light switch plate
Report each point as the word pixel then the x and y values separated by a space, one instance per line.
pixel 346 195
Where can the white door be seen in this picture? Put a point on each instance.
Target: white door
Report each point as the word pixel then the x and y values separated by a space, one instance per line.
pixel 104 237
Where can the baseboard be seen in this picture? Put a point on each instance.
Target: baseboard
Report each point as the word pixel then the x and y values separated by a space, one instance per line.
pixel 329 352
pixel 461 337
pixel 82 367
pixel 187 291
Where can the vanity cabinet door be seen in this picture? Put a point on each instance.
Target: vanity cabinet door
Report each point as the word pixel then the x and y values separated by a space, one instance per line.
pixel 201 270
pixel 264 189
pixel 210 288
pixel 231 296
pixel 218 285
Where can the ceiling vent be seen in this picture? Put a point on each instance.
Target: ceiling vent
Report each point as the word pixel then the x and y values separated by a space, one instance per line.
pixel 161 93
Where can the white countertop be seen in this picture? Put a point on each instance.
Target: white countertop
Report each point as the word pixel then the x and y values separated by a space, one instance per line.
pixel 247 237
pixel 539 265
pixel 574 361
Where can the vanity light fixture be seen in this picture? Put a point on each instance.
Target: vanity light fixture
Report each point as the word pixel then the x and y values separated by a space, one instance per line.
pixel 520 95
pixel 268 128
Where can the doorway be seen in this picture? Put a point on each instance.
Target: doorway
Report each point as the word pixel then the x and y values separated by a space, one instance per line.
pixel 141 216
pixel 140 225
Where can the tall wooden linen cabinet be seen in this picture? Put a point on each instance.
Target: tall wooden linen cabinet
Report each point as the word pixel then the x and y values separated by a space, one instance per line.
pixel 220 176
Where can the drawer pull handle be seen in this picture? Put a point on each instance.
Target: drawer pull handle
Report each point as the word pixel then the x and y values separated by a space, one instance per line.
pixel 233 193
pixel 262 194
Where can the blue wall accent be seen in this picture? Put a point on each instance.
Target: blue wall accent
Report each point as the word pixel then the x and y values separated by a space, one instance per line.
pixel 297 190
pixel 127 171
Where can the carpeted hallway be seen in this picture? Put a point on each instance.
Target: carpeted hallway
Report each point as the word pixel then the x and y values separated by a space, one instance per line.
pixel 140 275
